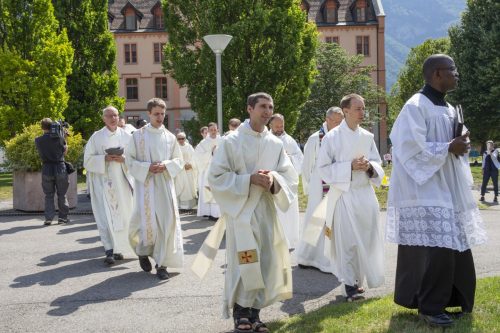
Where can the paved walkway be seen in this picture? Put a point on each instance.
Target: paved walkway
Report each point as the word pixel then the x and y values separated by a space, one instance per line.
pixel 53 279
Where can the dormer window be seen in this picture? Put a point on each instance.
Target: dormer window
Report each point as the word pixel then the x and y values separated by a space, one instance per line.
pixel 130 20
pixel 330 11
pixel 131 15
pixel 158 18
pixel 361 7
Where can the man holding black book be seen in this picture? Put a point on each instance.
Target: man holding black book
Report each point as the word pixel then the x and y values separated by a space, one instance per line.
pixel 109 185
pixel 431 212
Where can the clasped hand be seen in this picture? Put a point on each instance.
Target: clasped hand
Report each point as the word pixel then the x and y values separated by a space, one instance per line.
pixel 360 164
pixel 262 178
pixel 114 158
pixel 157 167
pixel 460 145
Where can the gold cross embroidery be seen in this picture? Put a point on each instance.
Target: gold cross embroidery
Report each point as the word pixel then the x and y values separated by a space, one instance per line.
pixel 328 232
pixel 247 257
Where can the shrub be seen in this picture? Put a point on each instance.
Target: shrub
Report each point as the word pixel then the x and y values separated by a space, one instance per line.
pixel 21 153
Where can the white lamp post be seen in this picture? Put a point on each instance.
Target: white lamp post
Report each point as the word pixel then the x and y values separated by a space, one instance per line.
pixel 218 43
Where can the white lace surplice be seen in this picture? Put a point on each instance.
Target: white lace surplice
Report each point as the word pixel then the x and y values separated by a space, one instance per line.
pixel 430 201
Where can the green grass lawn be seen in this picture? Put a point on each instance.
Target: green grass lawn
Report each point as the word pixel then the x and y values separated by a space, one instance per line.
pixel 5 186
pixel 382 191
pixel 382 315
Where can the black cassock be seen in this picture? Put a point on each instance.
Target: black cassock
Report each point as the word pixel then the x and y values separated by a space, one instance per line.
pixel 433 278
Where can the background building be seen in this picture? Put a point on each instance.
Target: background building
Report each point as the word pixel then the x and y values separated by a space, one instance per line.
pixel 358 27
pixel 138 27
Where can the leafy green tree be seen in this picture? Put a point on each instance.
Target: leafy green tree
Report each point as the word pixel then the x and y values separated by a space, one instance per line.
pixel 475 49
pixel 339 74
pixel 410 78
pixel 93 83
pixel 272 50
pixel 35 58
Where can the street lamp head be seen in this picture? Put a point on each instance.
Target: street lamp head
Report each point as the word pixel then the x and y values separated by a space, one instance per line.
pixel 217 42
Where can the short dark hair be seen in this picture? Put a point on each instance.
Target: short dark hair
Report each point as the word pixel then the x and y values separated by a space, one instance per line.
pixel 345 103
pixel 153 102
pixel 46 123
pixel 254 98
pixel 276 116
pixel 234 122
pixel 211 124
pixel 433 63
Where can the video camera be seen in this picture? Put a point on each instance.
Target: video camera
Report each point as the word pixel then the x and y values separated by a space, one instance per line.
pixel 57 129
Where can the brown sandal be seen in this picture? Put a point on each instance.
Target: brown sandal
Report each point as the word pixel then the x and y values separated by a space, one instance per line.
pixel 238 322
pixel 257 325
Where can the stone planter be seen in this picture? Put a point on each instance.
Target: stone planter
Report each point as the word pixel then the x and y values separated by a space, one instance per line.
pixel 28 194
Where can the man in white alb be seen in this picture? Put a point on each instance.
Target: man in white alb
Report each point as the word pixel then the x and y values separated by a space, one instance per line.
pixel 309 255
pixel 431 213
pixel 154 160
pixel 289 219
pixel 251 173
pixel 110 185
pixel 203 155
pixel 186 180
pixel 350 163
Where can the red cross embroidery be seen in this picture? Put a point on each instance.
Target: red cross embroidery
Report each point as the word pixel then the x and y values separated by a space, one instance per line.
pixel 247 257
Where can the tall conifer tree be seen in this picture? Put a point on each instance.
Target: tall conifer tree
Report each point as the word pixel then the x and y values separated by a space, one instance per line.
pixel 94 81
pixel 272 50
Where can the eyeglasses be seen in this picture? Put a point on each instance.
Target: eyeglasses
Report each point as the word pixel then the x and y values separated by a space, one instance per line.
pixel 451 68
pixel 181 139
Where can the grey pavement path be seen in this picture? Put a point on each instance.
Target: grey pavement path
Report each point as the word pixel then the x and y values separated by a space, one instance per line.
pixel 53 279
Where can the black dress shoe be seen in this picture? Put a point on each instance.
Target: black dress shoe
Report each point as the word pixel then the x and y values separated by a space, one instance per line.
pixel 145 263
pixel 305 266
pixel 109 257
pixel 118 256
pixel 212 218
pixel 441 320
pixel 455 315
pixel 162 273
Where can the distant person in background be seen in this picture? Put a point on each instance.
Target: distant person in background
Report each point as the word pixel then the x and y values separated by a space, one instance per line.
pixel 289 219
pixel 314 255
pixel 203 155
pixel 122 123
pixel 141 123
pixel 204 132
pixel 186 182
pixel 233 125
pixel 490 170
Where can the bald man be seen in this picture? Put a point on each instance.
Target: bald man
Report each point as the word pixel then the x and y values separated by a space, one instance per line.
pixel 431 212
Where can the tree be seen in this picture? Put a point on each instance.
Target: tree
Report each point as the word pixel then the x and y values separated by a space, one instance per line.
pixel 35 58
pixel 338 75
pixel 272 50
pixel 93 83
pixel 474 47
pixel 410 78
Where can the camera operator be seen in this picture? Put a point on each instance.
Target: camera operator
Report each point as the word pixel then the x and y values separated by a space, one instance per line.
pixel 52 147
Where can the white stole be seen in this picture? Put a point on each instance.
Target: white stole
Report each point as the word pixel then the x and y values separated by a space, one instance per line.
pixel 322 217
pixel 146 192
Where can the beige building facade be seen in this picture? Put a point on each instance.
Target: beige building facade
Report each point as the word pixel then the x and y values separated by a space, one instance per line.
pixel 138 27
pixel 139 32
pixel 358 27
